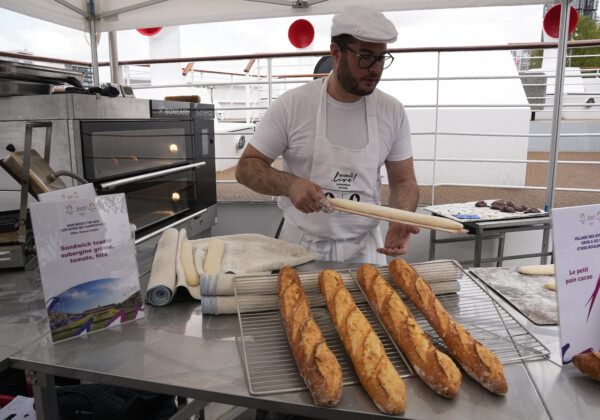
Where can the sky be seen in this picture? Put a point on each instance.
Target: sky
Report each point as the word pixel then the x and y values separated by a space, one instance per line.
pixel 22 33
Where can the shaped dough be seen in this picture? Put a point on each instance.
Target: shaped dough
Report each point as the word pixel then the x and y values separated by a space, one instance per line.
pixel 187 262
pixel 540 270
pixel 214 256
pixel 396 215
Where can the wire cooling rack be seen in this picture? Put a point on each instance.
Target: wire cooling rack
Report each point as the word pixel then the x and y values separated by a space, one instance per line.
pixel 268 359
pixel 270 366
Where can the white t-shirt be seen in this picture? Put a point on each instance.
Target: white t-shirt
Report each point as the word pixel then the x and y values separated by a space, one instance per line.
pixel 288 127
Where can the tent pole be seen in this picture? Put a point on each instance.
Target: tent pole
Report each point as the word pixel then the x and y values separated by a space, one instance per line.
pixel 115 74
pixel 93 44
pixel 565 9
pixel 94 48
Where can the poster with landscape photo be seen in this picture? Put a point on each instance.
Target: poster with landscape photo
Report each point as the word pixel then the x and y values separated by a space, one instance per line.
pixel 87 264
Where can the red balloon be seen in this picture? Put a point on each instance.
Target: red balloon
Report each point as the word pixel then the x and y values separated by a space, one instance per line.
pixel 301 33
pixel 149 31
pixel 552 21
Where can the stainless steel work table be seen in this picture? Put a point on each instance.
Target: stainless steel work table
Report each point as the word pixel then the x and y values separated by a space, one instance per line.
pixel 176 350
pixel 23 316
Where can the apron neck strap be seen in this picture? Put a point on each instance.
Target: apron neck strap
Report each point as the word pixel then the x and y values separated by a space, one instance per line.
pixel 321 123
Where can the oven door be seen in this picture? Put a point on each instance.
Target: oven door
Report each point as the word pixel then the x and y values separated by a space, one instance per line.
pixel 115 149
pixel 160 199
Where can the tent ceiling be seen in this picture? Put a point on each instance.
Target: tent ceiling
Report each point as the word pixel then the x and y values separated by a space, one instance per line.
pixel 114 15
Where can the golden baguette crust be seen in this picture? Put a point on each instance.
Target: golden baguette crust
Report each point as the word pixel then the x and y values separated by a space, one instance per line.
pixel 435 368
pixel 478 361
pixel 318 366
pixel 373 367
pixel 588 363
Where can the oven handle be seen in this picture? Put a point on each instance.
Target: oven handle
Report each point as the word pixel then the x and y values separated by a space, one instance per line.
pixel 130 180
pixel 161 230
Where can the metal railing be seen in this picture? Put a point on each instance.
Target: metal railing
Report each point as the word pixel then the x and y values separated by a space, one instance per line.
pixel 580 102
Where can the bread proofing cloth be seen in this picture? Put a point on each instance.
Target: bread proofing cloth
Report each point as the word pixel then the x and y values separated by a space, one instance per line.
pixel 251 253
pixel 167 275
pixel 243 254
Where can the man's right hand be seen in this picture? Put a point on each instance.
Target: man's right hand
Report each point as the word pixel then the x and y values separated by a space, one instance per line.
pixel 254 170
pixel 306 196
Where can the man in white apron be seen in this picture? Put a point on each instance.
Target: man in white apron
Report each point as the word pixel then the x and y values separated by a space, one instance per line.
pixel 334 135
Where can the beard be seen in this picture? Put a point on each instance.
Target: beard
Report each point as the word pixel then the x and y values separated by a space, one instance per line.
pixel 350 83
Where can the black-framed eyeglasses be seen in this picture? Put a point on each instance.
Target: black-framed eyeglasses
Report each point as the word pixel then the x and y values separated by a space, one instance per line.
pixel 366 61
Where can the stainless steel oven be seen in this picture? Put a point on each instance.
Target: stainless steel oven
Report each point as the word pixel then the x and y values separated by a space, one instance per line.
pixel 165 167
pixel 161 154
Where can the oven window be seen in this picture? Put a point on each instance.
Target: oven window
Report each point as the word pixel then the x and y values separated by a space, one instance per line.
pixel 110 152
pixel 160 199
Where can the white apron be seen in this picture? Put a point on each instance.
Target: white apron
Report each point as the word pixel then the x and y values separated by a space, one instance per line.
pixel 351 174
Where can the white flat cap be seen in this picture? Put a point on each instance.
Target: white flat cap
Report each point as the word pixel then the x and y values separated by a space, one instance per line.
pixel 365 24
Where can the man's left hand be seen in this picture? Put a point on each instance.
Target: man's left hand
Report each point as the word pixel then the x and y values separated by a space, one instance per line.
pixel 396 239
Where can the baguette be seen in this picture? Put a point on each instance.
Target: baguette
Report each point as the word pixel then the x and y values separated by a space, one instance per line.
pixel 588 363
pixel 373 367
pixel 478 361
pixel 318 366
pixel 435 368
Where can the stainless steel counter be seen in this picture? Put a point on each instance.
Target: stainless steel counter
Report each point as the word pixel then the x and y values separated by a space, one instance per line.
pixel 23 316
pixel 178 351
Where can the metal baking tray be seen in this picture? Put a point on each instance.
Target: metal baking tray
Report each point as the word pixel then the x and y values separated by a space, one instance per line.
pixel 268 359
pixel 524 292
pixel 25 71
pixel 18 79
pixel 12 87
pixel 484 213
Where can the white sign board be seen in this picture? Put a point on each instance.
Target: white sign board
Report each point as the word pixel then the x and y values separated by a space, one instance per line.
pixel 87 264
pixel 72 193
pixel 576 233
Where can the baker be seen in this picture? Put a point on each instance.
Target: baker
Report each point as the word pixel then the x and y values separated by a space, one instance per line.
pixel 334 135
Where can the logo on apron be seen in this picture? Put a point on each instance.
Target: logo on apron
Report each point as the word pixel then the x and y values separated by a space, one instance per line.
pixel 344 181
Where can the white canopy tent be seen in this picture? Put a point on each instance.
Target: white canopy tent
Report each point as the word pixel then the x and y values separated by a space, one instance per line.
pixel 96 16
pixel 112 15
